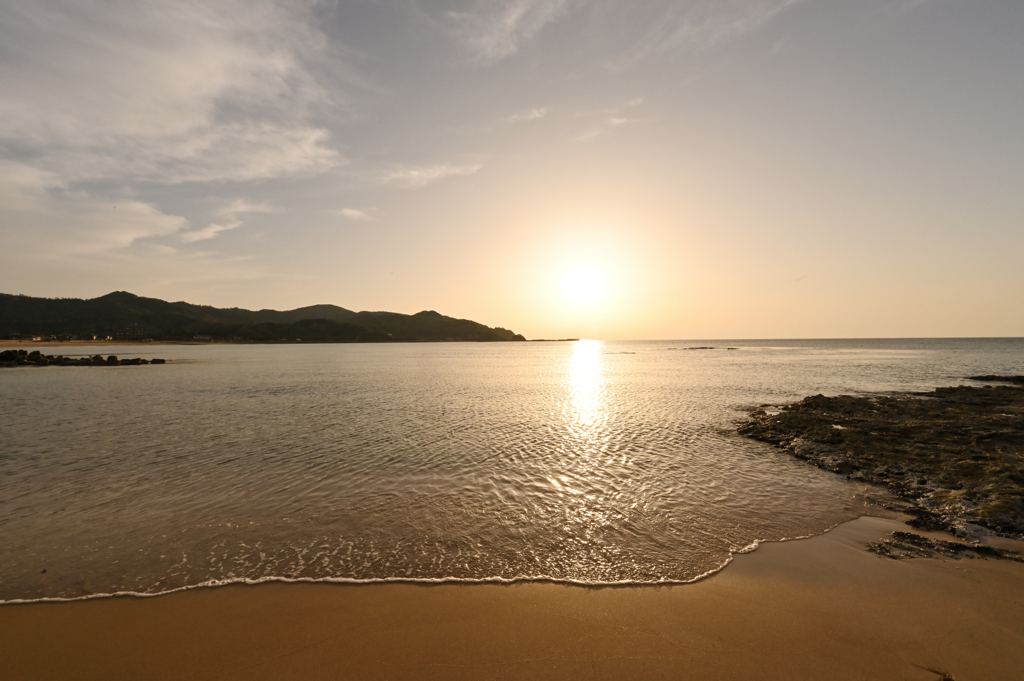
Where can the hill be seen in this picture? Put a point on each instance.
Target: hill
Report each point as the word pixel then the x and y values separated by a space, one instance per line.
pixel 123 315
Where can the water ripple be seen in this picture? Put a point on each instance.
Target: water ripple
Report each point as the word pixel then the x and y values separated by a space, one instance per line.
pixel 578 462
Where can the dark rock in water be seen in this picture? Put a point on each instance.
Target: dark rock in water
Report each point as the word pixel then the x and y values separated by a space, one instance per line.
pixel 955 455
pixel 910 545
pixel 13 358
pixel 990 378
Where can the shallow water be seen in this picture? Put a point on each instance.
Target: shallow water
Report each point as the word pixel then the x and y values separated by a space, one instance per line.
pixel 589 462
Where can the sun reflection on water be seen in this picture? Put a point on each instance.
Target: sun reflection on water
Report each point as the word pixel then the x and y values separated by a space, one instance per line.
pixel 586 411
pixel 589 479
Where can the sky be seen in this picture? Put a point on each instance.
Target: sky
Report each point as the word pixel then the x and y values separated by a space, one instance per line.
pixel 563 168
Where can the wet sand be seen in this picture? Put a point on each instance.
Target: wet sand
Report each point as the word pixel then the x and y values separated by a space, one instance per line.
pixel 821 608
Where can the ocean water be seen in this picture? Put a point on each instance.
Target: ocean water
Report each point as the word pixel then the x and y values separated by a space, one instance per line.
pixel 587 462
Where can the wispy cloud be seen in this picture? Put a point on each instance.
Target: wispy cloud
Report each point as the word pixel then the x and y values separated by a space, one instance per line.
pixel 420 176
pixel 519 117
pixel 494 29
pixel 44 218
pixel 54 235
pixel 526 116
pixel 163 92
pixel 229 217
pixel 210 231
pixel 604 121
pixel 702 24
pixel 353 214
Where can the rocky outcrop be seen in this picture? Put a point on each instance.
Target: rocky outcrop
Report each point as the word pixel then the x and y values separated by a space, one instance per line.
pixel 16 358
pixel 991 378
pixel 955 456
pixel 899 545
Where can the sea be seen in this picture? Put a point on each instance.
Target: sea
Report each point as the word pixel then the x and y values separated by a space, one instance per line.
pixel 588 462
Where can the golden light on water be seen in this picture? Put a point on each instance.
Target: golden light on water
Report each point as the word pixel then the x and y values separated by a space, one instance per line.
pixel 583 488
pixel 586 409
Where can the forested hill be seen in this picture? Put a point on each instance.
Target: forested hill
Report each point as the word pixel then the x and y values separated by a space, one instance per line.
pixel 125 315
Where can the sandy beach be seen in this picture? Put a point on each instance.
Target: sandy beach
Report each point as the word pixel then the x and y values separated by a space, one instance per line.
pixel 71 345
pixel 817 608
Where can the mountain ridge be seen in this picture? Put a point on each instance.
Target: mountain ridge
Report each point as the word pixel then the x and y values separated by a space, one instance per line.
pixel 124 315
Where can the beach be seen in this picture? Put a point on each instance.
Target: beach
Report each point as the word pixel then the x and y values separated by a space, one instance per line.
pixel 511 339
pixel 823 607
pixel 354 512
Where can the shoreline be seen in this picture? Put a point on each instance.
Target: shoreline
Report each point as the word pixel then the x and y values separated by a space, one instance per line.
pixel 822 607
pixel 426 581
pixel 118 343
pixel 140 343
pixel 866 508
pixel 856 601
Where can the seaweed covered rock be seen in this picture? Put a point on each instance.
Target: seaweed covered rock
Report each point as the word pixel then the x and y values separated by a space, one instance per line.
pixel 955 455
pixel 899 545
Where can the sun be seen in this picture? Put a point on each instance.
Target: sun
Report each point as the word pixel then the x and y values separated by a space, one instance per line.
pixel 584 286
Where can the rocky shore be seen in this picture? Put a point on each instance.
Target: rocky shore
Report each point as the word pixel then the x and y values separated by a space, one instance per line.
pixel 954 457
pixel 900 545
pixel 17 358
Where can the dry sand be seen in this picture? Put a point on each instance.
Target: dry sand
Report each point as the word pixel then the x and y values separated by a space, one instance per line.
pixel 71 345
pixel 821 608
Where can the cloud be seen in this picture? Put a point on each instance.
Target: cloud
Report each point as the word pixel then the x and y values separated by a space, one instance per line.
pixel 353 214
pixel 59 241
pixel 525 116
pixel 229 219
pixel 607 120
pixel 42 218
pixel 235 206
pixel 420 176
pixel 210 231
pixel 189 91
pixel 702 24
pixel 494 29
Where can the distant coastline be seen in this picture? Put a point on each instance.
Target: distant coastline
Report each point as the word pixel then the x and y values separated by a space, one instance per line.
pixel 126 317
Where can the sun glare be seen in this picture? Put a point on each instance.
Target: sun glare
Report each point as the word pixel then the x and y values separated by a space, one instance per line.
pixel 584 286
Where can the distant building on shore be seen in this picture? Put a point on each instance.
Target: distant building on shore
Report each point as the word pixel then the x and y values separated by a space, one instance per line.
pixel 133 331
